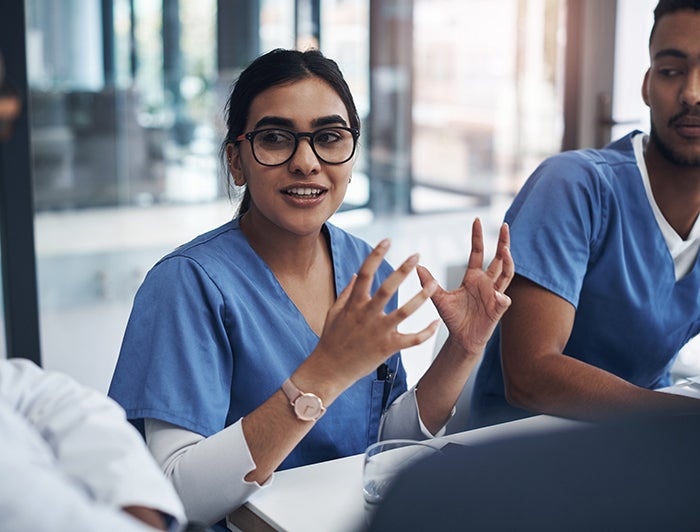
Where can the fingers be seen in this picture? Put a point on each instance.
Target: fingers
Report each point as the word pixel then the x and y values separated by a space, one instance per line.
pixel 345 294
pixel 502 302
pixel 413 339
pixel 501 268
pixel 507 264
pixel 408 308
pixel 507 272
pixel 476 256
pixel 503 240
pixel 359 293
pixel 365 275
pixel 391 284
pixel 425 278
pixel 424 275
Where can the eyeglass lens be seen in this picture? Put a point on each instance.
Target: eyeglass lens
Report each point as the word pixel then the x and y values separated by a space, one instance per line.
pixel 277 146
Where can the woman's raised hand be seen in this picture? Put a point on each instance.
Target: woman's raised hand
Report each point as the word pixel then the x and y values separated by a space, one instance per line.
pixel 472 311
pixel 358 335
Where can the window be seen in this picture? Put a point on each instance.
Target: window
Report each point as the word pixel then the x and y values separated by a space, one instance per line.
pixel 488 85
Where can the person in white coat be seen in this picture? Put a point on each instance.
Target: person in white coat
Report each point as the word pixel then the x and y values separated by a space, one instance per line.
pixel 69 460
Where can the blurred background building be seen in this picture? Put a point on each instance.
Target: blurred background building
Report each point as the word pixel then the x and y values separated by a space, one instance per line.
pixel 459 100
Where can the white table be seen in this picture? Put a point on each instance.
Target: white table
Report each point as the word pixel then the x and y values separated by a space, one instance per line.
pixel 327 497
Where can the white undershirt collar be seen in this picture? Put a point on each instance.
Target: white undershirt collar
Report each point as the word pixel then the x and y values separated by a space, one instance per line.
pixel 684 252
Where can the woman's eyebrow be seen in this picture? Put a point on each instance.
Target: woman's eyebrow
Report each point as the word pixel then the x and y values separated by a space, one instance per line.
pixel 274 121
pixel 329 120
pixel 287 123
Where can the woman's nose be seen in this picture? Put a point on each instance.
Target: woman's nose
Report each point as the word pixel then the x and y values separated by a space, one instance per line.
pixel 304 159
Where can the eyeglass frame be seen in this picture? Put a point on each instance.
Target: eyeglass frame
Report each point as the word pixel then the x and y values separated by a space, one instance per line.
pixel 250 137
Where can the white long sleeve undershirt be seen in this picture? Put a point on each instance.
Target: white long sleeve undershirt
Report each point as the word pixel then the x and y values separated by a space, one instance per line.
pixel 208 473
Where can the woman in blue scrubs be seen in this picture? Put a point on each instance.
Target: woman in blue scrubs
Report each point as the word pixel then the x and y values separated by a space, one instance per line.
pixel 271 342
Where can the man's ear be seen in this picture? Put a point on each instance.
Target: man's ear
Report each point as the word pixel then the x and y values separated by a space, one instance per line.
pixel 645 87
pixel 233 163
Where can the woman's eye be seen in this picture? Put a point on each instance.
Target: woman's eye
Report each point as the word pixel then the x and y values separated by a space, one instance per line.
pixel 327 136
pixel 276 137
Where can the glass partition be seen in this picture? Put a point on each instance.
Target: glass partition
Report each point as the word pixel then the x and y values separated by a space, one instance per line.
pixel 126 105
pixel 345 38
pixel 488 96
pixel 125 132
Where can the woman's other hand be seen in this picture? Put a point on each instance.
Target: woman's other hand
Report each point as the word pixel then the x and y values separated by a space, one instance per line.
pixel 472 311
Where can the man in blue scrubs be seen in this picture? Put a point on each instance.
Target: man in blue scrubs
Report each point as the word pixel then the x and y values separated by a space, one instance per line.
pixel 605 243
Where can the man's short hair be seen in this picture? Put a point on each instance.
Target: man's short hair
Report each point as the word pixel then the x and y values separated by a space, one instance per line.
pixel 665 7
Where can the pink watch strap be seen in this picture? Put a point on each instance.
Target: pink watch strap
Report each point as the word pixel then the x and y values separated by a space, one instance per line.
pixel 291 391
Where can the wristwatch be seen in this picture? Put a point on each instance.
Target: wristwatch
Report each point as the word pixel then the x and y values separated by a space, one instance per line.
pixel 307 406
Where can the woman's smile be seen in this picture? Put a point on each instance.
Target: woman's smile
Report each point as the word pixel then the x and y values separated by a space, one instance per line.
pixel 305 192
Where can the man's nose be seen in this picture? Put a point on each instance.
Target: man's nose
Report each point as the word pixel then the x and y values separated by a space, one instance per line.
pixel 690 94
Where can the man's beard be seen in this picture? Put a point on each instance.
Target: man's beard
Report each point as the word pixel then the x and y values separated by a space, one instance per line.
pixel 668 152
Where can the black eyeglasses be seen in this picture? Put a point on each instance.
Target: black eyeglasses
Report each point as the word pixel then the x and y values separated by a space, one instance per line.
pixel 276 146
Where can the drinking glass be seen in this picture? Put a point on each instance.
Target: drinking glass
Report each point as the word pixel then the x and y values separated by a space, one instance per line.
pixel 384 460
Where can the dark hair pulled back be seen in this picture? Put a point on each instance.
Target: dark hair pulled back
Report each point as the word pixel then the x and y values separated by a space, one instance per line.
pixel 278 67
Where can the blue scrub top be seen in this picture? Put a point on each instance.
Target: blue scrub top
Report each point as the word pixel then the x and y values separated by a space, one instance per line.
pixel 582 227
pixel 212 335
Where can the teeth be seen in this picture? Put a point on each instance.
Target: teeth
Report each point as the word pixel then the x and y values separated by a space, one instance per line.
pixel 304 191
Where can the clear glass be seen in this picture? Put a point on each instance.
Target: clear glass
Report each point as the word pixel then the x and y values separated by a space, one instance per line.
pixel 276 24
pixel 488 96
pixel 125 167
pixel 384 460
pixel 345 38
pixel 633 24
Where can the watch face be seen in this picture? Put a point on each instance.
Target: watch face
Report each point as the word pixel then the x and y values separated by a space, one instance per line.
pixel 308 407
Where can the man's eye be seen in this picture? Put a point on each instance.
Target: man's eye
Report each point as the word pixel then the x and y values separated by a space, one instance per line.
pixel 670 72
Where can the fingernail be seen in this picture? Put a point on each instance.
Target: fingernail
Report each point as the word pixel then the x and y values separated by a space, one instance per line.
pixel 413 259
pixel 502 298
pixel 384 243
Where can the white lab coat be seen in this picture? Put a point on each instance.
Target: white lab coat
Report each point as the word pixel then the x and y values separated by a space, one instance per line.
pixel 69 460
